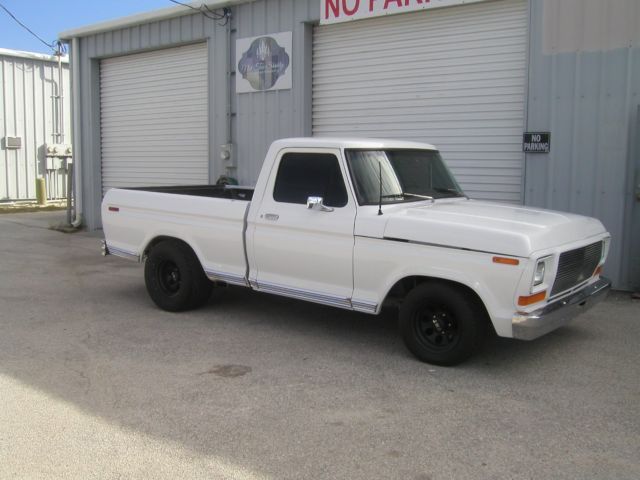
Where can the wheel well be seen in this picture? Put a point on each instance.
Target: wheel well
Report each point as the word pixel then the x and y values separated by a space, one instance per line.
pixel 163 238
pixel 405 285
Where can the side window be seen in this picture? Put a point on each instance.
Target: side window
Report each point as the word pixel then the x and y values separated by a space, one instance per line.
pixel 304 175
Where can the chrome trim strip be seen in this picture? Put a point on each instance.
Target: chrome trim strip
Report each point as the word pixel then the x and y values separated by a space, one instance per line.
pixel 364 306
pixel 316 297
pixel 118 252
pixel 304 295
pixel 226 277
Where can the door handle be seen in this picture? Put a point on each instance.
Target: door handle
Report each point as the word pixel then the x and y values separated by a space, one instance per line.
pixel 272 217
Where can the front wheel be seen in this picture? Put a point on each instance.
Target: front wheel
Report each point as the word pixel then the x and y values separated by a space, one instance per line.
pixel 441 324
pixel 174 277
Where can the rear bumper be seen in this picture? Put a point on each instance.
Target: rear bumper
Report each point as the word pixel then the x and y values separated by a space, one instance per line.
pixel 528 326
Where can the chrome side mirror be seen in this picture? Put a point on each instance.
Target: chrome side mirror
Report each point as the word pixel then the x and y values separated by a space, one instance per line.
pixel 315 203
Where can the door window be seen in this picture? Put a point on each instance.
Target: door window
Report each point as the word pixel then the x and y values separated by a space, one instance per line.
pixel 304 175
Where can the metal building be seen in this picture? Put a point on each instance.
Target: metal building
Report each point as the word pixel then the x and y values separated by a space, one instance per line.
pixel 35 113
pixel 175 97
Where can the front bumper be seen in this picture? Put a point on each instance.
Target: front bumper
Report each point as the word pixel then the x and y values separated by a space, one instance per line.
pixel 528 326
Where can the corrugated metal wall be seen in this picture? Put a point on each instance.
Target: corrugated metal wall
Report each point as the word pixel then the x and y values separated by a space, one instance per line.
pixel 584 75
pixel 28 110
pixel 454 77
pixel 155 35
pixel 261 117
pixel 257 118
pixel 584 87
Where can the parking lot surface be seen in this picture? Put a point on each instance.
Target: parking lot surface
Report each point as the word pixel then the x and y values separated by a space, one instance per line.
pixel 96 382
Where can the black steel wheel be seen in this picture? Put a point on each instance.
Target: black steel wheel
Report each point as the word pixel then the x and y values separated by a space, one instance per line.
pixel 441 324
pixel 174 277
pixel 168 277
pixel 436 327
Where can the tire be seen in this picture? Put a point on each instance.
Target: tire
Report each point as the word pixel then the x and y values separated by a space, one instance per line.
pixel 441 324
pixel 174 277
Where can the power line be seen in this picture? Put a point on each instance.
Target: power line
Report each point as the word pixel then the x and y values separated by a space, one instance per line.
pixel 50 45
pixel 206 11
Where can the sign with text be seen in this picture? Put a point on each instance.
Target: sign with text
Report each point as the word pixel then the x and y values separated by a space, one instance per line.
pixel 334 11
pixel 536 142
pixel 264 63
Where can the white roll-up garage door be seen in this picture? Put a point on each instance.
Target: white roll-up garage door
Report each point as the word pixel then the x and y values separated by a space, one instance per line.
pixel 154 118
pixel 454 77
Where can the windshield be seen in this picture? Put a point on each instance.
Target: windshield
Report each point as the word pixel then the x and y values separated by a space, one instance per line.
pixel 407 176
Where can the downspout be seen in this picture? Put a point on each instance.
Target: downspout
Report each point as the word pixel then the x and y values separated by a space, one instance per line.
pixel 60 98
pixel 76 131
pixel 229 79
pixel 229 154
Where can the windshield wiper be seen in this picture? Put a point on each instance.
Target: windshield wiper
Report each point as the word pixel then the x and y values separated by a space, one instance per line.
pixel 407 194
pixel 449 190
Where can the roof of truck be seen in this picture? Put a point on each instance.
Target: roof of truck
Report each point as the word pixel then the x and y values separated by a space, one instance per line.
pixel 350 142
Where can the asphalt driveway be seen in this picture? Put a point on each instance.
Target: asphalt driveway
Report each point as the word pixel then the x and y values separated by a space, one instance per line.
pixel 96 382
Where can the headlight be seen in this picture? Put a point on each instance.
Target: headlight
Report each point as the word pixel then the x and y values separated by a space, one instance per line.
pixel 538 276
pixel 605 250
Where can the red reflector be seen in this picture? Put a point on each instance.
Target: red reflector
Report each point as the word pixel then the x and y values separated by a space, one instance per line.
pixel 114 209
pixel 598 271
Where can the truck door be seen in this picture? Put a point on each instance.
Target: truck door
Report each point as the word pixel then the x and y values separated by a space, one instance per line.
pixel 305 250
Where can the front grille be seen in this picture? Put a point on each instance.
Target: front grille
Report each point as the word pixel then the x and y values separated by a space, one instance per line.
pixel 576 266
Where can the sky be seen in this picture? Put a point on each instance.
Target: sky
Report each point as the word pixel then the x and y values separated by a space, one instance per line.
pixel 48 18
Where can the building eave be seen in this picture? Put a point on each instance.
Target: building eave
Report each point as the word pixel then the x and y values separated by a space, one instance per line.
pixel 6 52
pixel 146 17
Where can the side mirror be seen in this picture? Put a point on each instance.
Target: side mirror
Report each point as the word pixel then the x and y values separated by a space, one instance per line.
pixel 315 203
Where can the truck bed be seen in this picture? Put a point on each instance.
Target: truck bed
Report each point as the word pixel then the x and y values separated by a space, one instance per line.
pixel 230 192
pixel 209 218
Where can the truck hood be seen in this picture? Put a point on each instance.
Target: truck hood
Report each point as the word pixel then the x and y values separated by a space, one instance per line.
pixel 490 227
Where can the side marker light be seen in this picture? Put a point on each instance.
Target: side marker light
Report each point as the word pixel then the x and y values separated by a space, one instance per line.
pixel 506 261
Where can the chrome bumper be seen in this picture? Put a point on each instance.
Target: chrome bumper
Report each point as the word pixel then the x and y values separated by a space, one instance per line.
pixel 528 326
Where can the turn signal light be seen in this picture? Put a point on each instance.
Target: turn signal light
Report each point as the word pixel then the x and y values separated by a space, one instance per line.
pixel 506 261
pixel 531 299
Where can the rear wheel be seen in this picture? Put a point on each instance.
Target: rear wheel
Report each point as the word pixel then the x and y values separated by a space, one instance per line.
pixel 174 277
pixel 441 324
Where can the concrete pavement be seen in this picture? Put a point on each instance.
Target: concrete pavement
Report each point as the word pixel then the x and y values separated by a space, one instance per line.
pixel 96 382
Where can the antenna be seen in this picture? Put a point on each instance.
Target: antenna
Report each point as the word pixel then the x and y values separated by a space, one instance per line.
pixel 380 198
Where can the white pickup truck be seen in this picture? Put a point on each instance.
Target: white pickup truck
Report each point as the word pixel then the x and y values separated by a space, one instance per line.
pixel 357 224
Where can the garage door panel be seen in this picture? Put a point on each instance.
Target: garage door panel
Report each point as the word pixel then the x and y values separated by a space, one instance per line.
pixel 123 102
pixel 462 48
pixel 509 110
pixel 154 118
pixel 395 101
pixel 453 77
pixel 161 61
pixel 152 86
pixel 466 79
pixel 438 67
